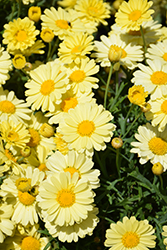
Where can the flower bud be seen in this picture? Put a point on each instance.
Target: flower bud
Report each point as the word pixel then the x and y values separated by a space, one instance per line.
pixel 117 142
pixel 115 53
pixel 26 151
pixel 34 13
pixel 145 107
pixel 19 61
pixel 157 168
pixel 46 130
pixel 47 35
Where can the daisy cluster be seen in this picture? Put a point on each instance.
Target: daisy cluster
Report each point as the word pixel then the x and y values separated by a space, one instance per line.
pixel 48 138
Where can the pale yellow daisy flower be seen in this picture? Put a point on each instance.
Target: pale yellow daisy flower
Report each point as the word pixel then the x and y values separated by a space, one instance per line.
pixel 25 238
pixel 73 162
pixel 132 14
pixel 164 233
pixel 158 113
pixel 67 4
pixel 81 78
pixel 46 86
pixel 152 77
pixel 11 108
pixel 63 23
pixel 137 95
pixel 76 231
pixel 24 189
pixel 151 145
pixel 75 47
pixel 69 101
pixel 61 144
pixel 93 10
pixel 20 34
pixel 26 2
pixel 14 135
pixel 158 51
pixel 6 225
pixel 130 234
pixel 65 200
pixel 87 127
pixel 5 65
pixel 130 53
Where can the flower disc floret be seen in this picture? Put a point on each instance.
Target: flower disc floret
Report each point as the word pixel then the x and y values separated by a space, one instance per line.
pixel 30 243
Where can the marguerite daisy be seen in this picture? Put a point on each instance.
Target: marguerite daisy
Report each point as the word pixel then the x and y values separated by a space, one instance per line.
pixel 5 65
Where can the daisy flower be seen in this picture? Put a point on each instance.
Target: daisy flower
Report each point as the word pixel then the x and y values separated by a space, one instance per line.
pixel 158 113
pixel 26 238
pixel 152 77
pixel 11 108
pixel 87 126
pixel 130 53
pixel 37 139
pixel 73 162
pixel 130 234
pixel 69 100
pixel 28 1
pixel 158 51
pixel 46 86
pixel 75 47
pixel 24 189
pixel 151 145
pixel 5 65
pixel 93 10
pixel 61 144
pixel 65 200
pixel 14 135
pixel 63 23
pixel 137 95
pixel 132 14
pixel 81 76
pixel 20 34
pixel 76 231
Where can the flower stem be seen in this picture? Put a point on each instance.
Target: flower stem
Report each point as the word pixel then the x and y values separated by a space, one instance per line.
pixel 144 43
pixel 117 162
pixel 19 9
pixel 107 85
pixel 49 51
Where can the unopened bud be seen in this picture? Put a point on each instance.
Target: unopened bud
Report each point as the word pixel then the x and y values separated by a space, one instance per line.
pixel 115 53
pixel 46 130
pixel 26 151
pixel 19 61
pixel 157 168
pixel 47 35
pixel 34 13
pixel 117 142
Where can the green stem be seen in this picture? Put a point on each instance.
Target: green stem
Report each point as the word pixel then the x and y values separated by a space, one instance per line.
pixel 132 125
pixel 119 153
pixel 54 47
pixel 117 162
pixel 144 42
pixel 49 51
pixel 13 10
pixel 161 182
pixel 19 9
pixel 107 85
pixel 103 169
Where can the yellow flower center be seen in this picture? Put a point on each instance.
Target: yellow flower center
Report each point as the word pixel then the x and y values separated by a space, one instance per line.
pixel 35 138
pixel 165 56
pixel 164 107
pixel 118 50
pixel 21 35
pixel 158 146
pixel 62 24
pixel 13 136
pixel 23 184
pixel 130 239
pixel 30 243
pixel 66 197
pixel 93 11
pixel 159 78
pixel 86 128
pixel 61 145
pixel 7 107
pixel 69 103
pixel 76 49
pixel 71 170
pixel 9 155
pixel 77 76
pixel 135 15
pixel 42 167
pixel 26 198
pixel 47 87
